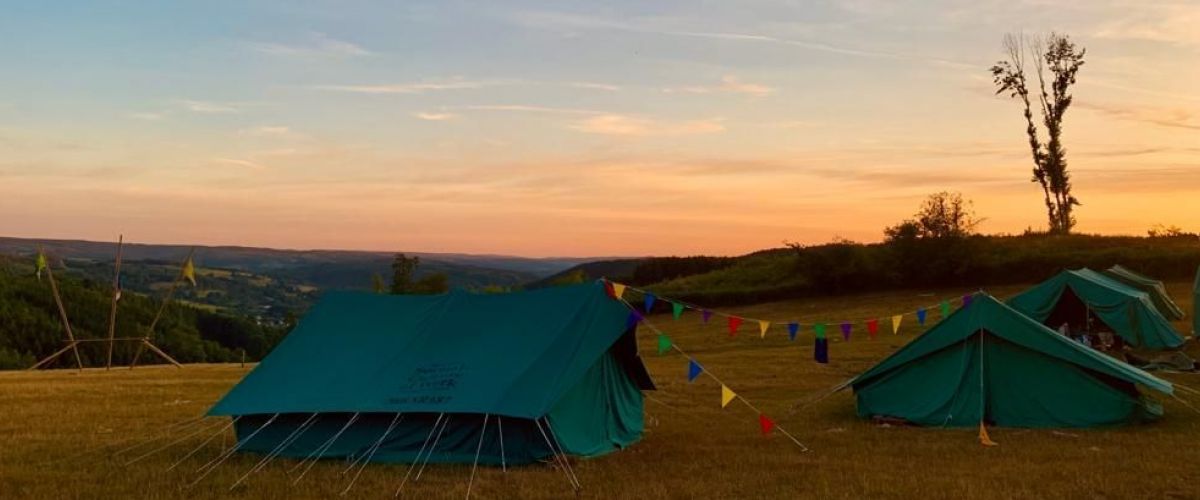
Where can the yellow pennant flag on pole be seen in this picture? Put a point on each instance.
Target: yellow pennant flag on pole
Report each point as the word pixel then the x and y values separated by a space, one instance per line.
pixel 984 439
pixel 762 328
pixel 618 290
pixel 896 323
pixel 727 395
pixel 189 271
pixel 41 264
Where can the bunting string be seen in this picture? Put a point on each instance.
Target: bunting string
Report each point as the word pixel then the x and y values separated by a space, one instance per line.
pixel 734 322
pixel 695 369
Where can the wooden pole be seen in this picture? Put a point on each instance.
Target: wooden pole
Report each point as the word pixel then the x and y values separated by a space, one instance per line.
pixel 112 312
pixel 161 307
pixel 62 313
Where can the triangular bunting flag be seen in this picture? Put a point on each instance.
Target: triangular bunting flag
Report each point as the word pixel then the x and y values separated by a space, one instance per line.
pixel 846 331
pixel 618 290
pixel 734 323
pixel 633 319
pixel 694 370
pixel 896 323
pixel 921 316
pixel 793 329
pixel 945 309
pixel 966 300
pixel 664 344
pixel 648 300
pixel 762 328
pixel 819 330
pixel 872 327
pixel 984 439
pixel 821 350
pixel 676 309
pixel 189 271
pixel 705 314
pixel 765 424
pixel 727 395
pixel 608 289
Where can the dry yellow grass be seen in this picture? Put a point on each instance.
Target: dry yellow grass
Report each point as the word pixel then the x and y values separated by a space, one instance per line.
pixel 692 447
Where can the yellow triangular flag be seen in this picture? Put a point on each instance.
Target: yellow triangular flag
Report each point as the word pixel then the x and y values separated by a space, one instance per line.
pixel 762 328
pixel 189 271
pixel 896 323
pixel 984 439
pixel 618 290
pixel 41 264
pixel 727 395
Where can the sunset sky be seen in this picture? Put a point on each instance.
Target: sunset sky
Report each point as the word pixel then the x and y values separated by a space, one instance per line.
pixel 573 128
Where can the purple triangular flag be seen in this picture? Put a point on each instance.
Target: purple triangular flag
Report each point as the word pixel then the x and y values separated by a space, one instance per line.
pixel 706 314
pixel 846 331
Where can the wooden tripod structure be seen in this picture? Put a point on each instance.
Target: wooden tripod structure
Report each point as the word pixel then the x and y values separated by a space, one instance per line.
pixel 146 344
pixel 72 343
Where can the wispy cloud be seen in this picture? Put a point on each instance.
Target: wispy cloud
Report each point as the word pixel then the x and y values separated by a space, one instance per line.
pixel 560 21
pixel 730 84
pixel 208 107
pixel 239 163
pixel 631 126
pixel 148 116
pixel 266 131
pixel 1163 117
pixel 1168 23
pixel 524 108
pixel 435 117
pixel 414 87
pixel 318 44
pixel 594 86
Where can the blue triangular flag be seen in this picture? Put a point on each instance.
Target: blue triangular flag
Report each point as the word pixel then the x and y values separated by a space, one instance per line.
pixel 634 318
pixel 921 315
pixel 649 300
pixel 821 351
pixel 694 370
pixel 793 329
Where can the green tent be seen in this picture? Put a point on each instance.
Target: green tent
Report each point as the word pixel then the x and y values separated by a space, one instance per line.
pixel 557 364
pixel 988 362
pixel 1196 305
pixel 1078 297
pixel 1154 288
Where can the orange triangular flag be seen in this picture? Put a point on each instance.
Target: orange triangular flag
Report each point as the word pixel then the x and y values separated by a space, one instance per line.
pixel 727 395
pixel 896 323
pixel 984 439
pixel 618 290
pixel 762 328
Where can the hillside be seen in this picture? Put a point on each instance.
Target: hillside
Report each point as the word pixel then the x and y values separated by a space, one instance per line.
pixel 974 262
pixel 318 268
pixel 30 327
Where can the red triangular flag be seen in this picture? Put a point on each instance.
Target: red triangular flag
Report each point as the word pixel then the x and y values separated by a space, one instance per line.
pixel 765 424
pixel 872 327
pixel 734 323
pixel 608 289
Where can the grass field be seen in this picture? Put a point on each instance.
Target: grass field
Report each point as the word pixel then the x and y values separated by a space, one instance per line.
pixel 692 447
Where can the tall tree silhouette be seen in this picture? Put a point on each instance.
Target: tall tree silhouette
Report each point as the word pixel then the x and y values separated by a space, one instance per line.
pixel 1059 57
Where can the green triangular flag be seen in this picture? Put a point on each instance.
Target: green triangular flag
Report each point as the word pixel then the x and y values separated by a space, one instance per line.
pixel 664 343
pixel 945 309
pixel 676 309
pixel 819 329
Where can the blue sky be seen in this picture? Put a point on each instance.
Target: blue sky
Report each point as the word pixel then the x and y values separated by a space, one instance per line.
pixel 572 128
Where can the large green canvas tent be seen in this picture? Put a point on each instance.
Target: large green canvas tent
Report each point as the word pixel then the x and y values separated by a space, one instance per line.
pixel 1079 296
pixel 1154 288
pixel 1196 304
pixel 987 362
pixel 504 374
